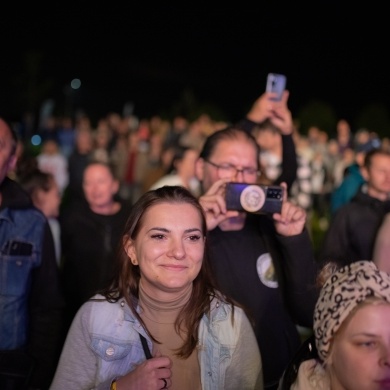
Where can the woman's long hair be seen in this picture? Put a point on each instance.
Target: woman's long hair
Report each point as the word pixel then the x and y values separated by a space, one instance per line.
pixel 126 282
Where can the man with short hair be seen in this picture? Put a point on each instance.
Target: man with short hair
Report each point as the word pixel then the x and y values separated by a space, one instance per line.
pixel 264 262
pixel 353 228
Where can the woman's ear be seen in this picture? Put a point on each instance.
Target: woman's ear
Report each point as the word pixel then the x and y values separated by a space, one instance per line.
pixel 329 359
pixel 128 245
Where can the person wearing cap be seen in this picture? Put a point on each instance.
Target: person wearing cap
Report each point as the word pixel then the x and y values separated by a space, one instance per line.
pixel 353 228
pixel 351 332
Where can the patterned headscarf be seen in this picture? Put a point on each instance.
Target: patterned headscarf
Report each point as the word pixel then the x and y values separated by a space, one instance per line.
pixel 341 293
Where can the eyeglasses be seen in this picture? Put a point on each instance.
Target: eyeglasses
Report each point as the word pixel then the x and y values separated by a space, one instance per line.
pixel 228 170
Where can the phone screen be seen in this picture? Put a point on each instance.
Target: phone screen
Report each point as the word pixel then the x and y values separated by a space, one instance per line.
pixel 276 83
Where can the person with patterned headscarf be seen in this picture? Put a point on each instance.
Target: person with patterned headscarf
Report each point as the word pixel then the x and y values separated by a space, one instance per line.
pixel 351 331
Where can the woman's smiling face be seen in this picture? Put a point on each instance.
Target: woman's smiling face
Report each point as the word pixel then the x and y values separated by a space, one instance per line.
pixel 169 247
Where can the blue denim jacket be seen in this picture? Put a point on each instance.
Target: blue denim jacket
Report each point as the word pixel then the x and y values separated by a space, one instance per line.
pixel 228 354
pixel 21 233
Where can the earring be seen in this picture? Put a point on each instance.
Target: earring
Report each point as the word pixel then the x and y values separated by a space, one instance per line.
pixel 133 262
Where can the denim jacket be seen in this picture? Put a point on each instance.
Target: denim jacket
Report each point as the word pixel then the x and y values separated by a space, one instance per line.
pixel 228 355
pixel 21 235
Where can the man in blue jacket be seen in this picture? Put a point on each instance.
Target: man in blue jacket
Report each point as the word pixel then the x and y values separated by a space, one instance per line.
pixel 31 301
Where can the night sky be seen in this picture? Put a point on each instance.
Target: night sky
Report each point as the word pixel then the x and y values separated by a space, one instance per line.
pixel 149 55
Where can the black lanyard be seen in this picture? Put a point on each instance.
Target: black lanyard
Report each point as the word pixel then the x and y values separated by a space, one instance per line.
pixel 145 347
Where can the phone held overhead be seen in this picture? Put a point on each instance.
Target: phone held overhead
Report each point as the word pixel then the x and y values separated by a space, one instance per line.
pixel 276 83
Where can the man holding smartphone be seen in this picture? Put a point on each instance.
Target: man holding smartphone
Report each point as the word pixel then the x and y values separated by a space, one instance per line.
pixel 264 262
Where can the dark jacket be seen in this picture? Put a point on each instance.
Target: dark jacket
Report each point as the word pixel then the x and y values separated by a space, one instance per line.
pixel 89 243
pixel 273 277
pixel 352 231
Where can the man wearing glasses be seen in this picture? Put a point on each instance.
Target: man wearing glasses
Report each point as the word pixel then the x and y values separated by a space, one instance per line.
pixel 265 262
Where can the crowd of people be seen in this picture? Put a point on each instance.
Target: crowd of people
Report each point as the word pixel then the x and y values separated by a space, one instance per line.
pixel 149 281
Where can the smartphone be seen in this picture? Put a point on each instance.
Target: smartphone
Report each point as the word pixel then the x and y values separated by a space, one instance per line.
pixel 276 83
pixel 254 198
pixel 17 248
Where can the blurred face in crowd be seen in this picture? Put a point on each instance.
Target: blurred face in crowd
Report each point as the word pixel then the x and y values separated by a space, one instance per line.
pixel 232 158
pixel 50 147
pixel 187 164
pixel 268 139
pixel 99 186
pixel 168 248
pixel 360 354
pixel 378 176
pixel 7 146
pixel 84 141
pixel 48 201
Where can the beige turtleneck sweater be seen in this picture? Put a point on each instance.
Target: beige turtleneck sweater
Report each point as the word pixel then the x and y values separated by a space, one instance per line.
pixel 159 318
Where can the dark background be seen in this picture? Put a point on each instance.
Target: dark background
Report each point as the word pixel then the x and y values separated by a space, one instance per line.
pixel 163 59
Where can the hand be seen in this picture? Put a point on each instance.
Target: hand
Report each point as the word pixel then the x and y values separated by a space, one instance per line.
pixel 291 221
pixel 214 205
pixel 148 375
pixel 261 108
pixel 276 111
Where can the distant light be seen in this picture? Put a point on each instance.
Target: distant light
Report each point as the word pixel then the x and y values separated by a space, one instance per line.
pixel 36 140
pixel 75 83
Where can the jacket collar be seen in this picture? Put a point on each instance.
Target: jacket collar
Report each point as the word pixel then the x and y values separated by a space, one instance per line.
pixel 13 196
